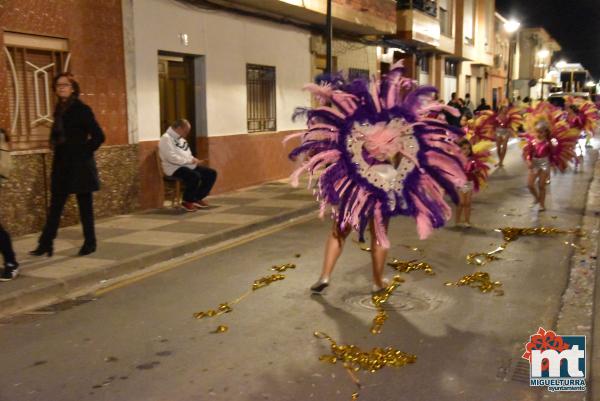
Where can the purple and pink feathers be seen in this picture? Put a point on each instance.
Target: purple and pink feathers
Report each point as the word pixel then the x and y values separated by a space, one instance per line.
pixel 392 116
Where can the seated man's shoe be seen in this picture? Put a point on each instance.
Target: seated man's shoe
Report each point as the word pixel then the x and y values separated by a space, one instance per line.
pixel 11 271
pixel 189 206
pixel 201 204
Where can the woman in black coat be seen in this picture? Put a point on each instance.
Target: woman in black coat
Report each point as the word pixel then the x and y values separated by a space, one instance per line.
pixel 74 138
pixel 11 267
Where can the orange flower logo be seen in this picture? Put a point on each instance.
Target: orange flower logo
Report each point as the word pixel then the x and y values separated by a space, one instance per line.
pixel 544 340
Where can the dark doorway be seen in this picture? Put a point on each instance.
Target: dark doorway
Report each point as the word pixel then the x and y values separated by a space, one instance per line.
pixel 176 87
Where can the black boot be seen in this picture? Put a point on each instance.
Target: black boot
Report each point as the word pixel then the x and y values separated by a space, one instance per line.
pixel 86 249
pixel 42 249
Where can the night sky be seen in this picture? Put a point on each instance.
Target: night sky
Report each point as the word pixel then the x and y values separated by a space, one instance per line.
pixel 575 24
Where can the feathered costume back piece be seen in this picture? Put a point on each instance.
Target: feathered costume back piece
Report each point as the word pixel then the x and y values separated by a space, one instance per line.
pixel 586 117
pixel 562 139
pixel 487 122
pixel 379 154
pixel 478 165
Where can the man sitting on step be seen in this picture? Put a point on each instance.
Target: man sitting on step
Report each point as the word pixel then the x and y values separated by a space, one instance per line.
pixel 178 161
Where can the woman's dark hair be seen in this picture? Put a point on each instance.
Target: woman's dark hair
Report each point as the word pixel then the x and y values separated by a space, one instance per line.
pixel 74 83
pixel 465 141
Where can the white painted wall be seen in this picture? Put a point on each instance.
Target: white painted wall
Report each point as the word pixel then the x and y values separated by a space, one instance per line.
pixel 228 42
pixel 450 84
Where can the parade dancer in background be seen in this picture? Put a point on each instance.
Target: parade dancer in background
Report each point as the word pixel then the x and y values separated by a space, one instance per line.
pixel 380 156
pixel 500 126
pixel 11 267
pixel 478 158
pixel 582 116
pixel 550 142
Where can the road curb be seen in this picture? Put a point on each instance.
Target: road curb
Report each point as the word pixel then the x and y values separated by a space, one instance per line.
pixel 52 291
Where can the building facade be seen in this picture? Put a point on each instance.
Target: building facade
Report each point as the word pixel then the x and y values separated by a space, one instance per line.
pixel 38 41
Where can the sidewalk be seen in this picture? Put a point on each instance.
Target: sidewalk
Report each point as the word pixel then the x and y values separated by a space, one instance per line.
pixel 135 242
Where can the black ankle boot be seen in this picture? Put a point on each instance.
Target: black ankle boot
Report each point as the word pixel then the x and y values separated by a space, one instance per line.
pixel 42 249
pixel 86 249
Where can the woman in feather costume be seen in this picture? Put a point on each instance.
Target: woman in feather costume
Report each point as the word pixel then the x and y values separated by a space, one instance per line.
pixel 550 142
pixel 379 154
pixel 583 116
pixel 499 127
pixel 478 157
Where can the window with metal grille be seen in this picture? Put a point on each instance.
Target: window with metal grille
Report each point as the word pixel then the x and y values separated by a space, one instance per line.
pixel 260 83
pixel 32 61
pixel 357 73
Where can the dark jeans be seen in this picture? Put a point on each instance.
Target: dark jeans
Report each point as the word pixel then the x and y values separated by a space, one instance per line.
pixel 6 247
pixel 86 214
pixel 198 182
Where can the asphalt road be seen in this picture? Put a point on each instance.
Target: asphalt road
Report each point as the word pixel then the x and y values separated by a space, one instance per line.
pixel 141 343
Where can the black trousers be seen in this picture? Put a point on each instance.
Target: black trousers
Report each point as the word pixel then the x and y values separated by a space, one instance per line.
pixel 86 215
pixel 6 247
pixel 198 182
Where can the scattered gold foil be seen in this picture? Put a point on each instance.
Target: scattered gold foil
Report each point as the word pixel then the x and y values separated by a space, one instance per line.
pixel 262 282
pixel 408 266
pixel 581 249
pixel 513 233
pixel 223 308
pixel 379 299
pixel 365 248
pixel 297 255
pixel 354 358
pixel 483 258
pixel 221 329
pixel 479 280
pixel 283 267
pixel 265 281
pixel 355 396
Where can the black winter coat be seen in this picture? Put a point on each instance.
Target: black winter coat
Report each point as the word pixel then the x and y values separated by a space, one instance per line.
pixel 75 137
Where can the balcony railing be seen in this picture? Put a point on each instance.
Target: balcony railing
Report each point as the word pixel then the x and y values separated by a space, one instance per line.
pixel 426 6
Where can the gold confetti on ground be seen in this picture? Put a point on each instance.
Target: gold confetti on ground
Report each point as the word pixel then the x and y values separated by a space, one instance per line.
pixel 479 280
pixel 354 358
pixel 511 234
pixel 379 299
pixel 355 396
pixel 221 329
pixel 265 281
pixel 411 265
pixel 262 282
pixel 297 255
pixel 283 267
pixel 365 248
pixel 483 258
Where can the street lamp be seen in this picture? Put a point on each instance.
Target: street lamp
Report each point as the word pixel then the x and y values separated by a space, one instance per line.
pixel 590 84
pixel 542 54
pixel 511 26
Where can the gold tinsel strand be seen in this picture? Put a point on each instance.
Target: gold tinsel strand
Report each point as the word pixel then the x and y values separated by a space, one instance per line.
pixel 283 267
pixel 511 234
pixel 221 329
pixel 479 280
pixel 379 299
pixel 356 359
pixel 262 282
pixel 407 267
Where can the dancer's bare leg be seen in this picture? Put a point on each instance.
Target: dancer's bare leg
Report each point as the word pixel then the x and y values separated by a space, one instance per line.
pixel 502 148
pixel 542 189
pixel 378 257
pixel 531 185
pixel 333 250
pixel 460 207
pixel 468 197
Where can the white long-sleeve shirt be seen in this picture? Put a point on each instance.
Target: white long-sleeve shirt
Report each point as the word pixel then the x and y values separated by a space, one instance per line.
pixel 174 152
